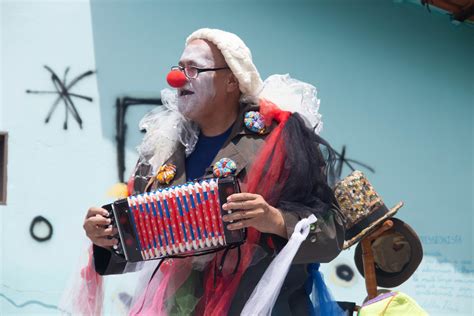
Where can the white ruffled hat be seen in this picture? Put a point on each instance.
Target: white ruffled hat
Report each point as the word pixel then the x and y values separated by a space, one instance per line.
pixel 237 55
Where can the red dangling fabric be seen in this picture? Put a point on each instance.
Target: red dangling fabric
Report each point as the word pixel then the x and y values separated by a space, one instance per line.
pixel 266 177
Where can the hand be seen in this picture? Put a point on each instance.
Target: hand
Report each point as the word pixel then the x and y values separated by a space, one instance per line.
pixel 254 211
pixel 98 228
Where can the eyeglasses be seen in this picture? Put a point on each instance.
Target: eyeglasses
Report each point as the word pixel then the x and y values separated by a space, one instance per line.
pixel 192 72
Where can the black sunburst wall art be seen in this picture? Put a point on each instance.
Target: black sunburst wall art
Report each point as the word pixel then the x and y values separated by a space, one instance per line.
pixel 62 91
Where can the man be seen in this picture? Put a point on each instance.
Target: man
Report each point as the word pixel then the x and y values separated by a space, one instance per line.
pixel 271 165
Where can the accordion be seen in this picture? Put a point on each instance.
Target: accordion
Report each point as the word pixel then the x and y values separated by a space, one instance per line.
pixel 174 222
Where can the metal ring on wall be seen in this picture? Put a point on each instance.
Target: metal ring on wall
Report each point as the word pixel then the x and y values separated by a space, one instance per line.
pixel 344 272
pixel 37 220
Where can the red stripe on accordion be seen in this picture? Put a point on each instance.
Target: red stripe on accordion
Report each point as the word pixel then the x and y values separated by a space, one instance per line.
pixel 149 229
pixel 184 219
pixel 194 222
pixel 140 229
pixel 177 233
pixel 167 223
pixel 158 223
pixel 190 229
pixel 212 210
pixel 207 215
pixel 136 220
pixel 217 208
pixel 203 214
pixel 154 225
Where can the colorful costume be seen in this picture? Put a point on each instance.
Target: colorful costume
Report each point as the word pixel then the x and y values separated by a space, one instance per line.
pixel 282 161
pixel 302 193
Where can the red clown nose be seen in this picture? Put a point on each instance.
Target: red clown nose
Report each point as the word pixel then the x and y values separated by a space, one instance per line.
pixel 176 79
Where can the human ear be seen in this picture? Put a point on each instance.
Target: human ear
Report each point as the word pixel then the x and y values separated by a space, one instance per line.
pixel 232 83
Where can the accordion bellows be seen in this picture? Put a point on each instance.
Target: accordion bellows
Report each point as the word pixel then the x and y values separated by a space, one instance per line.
pixel 176 221
pixel 361 205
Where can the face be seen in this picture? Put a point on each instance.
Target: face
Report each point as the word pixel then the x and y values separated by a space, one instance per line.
pixel 198 98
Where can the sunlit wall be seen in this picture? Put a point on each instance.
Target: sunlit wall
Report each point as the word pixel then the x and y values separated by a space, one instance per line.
pixel 395 84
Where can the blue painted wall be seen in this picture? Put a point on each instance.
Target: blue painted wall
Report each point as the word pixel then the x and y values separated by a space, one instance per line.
pixel 54 173
pixel 396 86
pixel 395 82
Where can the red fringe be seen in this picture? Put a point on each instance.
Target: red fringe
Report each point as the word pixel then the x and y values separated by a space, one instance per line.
pixel 266 177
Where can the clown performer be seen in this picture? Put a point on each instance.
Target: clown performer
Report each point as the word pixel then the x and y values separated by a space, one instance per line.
pixel 222 119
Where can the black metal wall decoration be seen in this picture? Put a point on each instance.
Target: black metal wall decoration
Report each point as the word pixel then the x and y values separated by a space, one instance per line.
pixel 38 220
pixel 122 105
pixel 62 89
pixel 344 272
pixel 341 160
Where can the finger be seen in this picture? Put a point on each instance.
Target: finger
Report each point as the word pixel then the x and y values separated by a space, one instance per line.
pixel 99 220
pixel 242 205
pixel 100 231
pixel 240 224
pixel 242 215
pixel 104 232
pixel 97 227
pixel 105 242
pixel 242 197
pixel 97 211
pixel 94 231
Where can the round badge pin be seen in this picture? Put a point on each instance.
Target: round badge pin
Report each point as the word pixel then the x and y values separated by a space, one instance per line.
pixel 254 122
pixel 224 167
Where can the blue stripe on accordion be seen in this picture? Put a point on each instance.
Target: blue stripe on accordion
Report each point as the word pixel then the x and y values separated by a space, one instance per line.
pixel 146 232
pixel 182 216
pixel 160 209
pixel 169 217
pixel 186 206
pixel 134 227
pixel 153 218
pixel 210 219
pixel 193 204
pixel 186 209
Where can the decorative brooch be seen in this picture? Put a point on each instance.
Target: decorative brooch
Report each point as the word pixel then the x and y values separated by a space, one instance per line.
pixel 254 122
pixel 224 168
pixel 166 173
